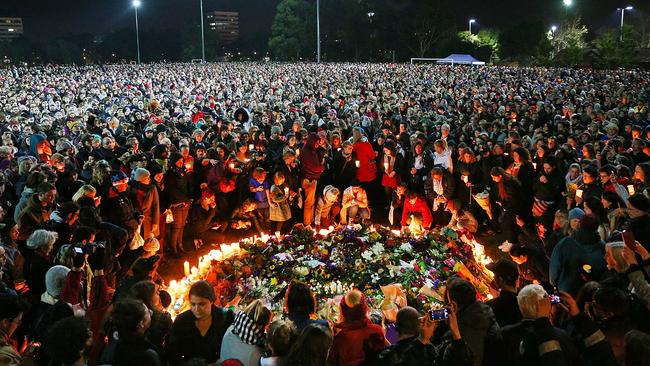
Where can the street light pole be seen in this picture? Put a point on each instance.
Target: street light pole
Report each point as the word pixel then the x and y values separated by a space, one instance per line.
pixel 470 25
pixel 202 35
pixel 136 5
pixel 318 31
pixel 622 17
pixel 370 16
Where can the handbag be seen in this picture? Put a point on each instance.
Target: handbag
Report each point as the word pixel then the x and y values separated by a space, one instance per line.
pixel 169 216
pixel 138 240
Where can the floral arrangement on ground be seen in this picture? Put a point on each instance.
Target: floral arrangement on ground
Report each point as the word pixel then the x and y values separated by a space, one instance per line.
pixel 333 261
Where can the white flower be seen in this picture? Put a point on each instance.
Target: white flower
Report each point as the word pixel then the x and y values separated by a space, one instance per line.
pixel 301 271
pixel 367 255
pixel 377 249
pixel 357 227
pixel 406 247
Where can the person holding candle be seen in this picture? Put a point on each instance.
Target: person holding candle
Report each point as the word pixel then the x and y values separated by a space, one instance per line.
pixel 343 168
pixel 609 182
pixel 144 196
pixel 365 155
pixel 393 168
pixel 312 169
pixel 178 194
pixel 279 196
pixel 421 163
pixel 259 188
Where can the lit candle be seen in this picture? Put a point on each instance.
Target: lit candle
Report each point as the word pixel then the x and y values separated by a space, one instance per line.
pixel 579 193
pixel 535 166
pixel 630 189
pixel 386 165
pixel 465 179
pixel 277 234
pixel 298 152
pixel 186 267
pixel 357 163
pixel 251 146
pixel 286 191
pixel 232 165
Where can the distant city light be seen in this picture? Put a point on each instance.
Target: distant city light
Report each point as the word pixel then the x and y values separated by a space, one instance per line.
pixel 553 28
pixel 137 3
pixel 11 30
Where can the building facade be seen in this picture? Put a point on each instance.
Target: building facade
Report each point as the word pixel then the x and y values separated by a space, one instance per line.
pixel 226 24
pixel 11 28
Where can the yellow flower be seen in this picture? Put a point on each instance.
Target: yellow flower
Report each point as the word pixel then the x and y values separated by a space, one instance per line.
pixel 274 281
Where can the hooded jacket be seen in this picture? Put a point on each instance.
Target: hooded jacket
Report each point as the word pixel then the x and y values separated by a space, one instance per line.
pixel 571 254
pixel 325 203
pixel 312 167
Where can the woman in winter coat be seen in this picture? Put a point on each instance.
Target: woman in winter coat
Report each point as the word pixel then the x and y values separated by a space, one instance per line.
pixel 393 167
pixel 144 196
pixel 420 165
pixel 365 155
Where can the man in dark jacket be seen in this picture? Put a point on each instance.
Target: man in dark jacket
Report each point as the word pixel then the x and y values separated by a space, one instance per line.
pixel 476 321
pixel 178 192
pixel 312 168
pixel 504 306
pixel 638 207
pixel 415 348
pixel 439 188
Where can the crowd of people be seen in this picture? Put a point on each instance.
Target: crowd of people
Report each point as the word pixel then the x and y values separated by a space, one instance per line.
pixel 107 171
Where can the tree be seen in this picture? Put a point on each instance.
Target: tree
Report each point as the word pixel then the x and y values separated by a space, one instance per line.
pixel 569 43
pixel 610 51
pixel 293 30
pixel 485 42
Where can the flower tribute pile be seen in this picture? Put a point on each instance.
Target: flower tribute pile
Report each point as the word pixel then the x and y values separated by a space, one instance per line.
pixel 333 261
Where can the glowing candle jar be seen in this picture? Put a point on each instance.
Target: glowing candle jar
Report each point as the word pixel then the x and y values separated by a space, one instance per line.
pixel 186 268
pixel 357 163
pixel 297 152
pixel 630 189
pixel 251 147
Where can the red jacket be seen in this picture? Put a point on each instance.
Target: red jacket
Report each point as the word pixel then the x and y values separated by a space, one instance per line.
pixel 419 207
pixel 366 156
pixel 353 341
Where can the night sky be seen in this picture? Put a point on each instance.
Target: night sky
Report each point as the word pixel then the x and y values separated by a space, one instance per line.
pixel 51 18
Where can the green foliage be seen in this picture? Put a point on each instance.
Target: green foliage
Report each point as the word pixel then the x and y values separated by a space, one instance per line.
pixel 569 43
pixel 485 44
pixel 293 31
pixel 611 52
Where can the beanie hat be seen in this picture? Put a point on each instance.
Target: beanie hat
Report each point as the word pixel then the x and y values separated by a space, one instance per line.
pixel 140 173
pixel 55 279
pixel 354 306
pixel 151 245
pixel 640 202
pixel 576 214
pixel 118 176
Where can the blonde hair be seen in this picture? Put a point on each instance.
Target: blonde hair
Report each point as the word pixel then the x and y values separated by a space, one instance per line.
pixel 528 300
pixel 257 312
pixel 615 250
pixel 84 191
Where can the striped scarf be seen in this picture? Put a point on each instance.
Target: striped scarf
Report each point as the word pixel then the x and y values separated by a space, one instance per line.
pixel 246 329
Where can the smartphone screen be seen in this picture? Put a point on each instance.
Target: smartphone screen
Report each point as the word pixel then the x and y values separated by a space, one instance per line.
pixel 628 239
pixel 78 250
pixel 555 299
pixel 439 314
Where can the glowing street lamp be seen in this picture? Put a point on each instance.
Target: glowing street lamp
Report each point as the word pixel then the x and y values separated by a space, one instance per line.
pixel 622 16
pixel 553 29
pixel 470 24
pixel 136 5
pixel 567 3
